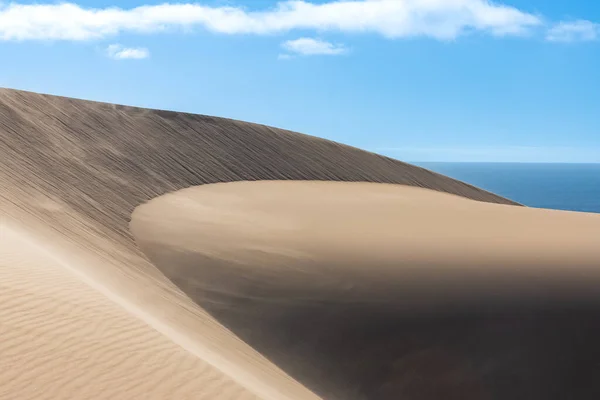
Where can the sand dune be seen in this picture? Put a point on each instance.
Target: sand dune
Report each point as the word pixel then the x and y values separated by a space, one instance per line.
pixel 73 171
pixel 347 267
pixel 92 316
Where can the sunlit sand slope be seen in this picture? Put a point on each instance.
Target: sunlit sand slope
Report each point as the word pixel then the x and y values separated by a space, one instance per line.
pixel 372 291
pixel 62 339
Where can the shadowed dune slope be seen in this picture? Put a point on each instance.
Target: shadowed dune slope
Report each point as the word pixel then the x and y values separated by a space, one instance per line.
pixel 389 291
pixel 73 171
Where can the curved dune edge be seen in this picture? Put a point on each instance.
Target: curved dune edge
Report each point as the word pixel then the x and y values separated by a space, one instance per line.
pixel 301 267
pixel 315 239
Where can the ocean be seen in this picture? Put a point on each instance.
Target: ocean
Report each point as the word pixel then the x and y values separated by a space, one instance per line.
pixel 571 187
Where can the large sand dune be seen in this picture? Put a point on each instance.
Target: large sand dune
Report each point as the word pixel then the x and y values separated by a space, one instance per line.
pixel 72 172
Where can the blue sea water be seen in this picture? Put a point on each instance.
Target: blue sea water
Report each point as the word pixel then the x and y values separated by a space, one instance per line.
pixel 572 187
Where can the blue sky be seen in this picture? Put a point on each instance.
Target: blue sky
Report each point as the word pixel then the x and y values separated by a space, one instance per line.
pixel 419 80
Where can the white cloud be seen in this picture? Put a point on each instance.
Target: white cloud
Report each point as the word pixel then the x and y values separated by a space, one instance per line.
pixel 311 47
pixel 575 31
pixel 119 52
pixel 440 19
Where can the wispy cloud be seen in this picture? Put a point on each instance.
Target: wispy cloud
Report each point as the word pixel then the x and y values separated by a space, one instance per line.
pixel 312 47
pixel 118 52
pixel 574 31
pixel 439 19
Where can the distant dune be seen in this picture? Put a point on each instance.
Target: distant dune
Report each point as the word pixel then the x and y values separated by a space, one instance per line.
pixel 88 314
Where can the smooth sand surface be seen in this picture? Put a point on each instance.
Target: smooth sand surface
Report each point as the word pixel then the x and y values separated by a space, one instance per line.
pixel 353 280
pixel 326 241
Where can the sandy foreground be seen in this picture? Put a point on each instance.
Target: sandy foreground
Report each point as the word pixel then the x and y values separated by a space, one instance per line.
pixel 354 280
pixel 66 336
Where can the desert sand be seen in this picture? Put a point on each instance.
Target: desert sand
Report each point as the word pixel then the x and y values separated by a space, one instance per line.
pixel 326 260
pixel 90 311
pixel 62 338
pixel 365 242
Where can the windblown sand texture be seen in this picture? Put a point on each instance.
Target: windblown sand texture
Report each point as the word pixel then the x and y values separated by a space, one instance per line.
pixel 87 315
pixel 63 339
